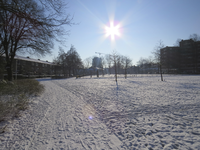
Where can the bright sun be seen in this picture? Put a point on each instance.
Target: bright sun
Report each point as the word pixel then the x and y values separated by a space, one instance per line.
pixel 112 31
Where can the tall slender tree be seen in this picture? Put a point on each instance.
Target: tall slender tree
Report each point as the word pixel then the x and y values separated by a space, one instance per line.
pixel 73 61
pixel 157 56
pixel 114 57
pixel 126 63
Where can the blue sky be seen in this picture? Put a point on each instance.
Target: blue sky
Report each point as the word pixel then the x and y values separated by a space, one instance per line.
pixel 142 24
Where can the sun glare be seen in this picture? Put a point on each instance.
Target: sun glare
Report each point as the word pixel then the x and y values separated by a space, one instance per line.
pixel 112 31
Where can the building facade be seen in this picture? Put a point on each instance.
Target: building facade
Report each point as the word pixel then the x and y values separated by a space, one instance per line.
pixel 182 59
pixel 170 59
pixel 31 67
pixel 190 56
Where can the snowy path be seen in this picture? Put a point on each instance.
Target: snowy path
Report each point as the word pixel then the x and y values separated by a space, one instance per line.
pixel 137 113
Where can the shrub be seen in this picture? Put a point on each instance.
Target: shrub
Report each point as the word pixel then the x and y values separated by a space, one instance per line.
pixel 14 96
pixel 29 87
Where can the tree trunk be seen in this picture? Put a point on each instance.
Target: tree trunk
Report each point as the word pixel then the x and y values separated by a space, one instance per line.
pixel 69 72
pixel 125 73
pixel 97 73
pixel 9 72
pixel 161 72
pixel 115 72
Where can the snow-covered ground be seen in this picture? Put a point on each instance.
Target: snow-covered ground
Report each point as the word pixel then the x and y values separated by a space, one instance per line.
pixel 136 113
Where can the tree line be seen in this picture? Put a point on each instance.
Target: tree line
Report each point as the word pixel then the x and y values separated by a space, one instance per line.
pixel 70 61
pixel 114 61
pixel 72 64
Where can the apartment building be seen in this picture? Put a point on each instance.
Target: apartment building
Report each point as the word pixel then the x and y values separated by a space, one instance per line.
pixel 190 56
pixel 29 66
pixel 170 59
pixel 182 59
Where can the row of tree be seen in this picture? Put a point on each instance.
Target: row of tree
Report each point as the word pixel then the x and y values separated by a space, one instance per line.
pixel 113 61
pixel 70 61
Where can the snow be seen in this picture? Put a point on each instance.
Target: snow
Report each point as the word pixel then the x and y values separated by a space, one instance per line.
pixel 96 113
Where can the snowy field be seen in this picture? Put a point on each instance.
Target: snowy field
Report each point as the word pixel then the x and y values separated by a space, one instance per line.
pixel 136 113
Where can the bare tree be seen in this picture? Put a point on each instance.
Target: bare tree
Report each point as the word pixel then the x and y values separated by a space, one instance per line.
pixel 150 63
pixel 87 62
pixel 177 43
pixel 54 9
pixel 142 63
pixel 126 63
pixel 157 56
pixel 120 64
pixel 146 64
pixel 114 57
pixel 26 26
pixel 195 37
pixel 2 67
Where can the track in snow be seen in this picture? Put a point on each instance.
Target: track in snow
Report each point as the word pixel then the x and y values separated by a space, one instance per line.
pixel 98 114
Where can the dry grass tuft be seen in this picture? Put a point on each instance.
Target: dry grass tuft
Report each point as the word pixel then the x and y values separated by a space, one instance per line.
pixel 14 96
